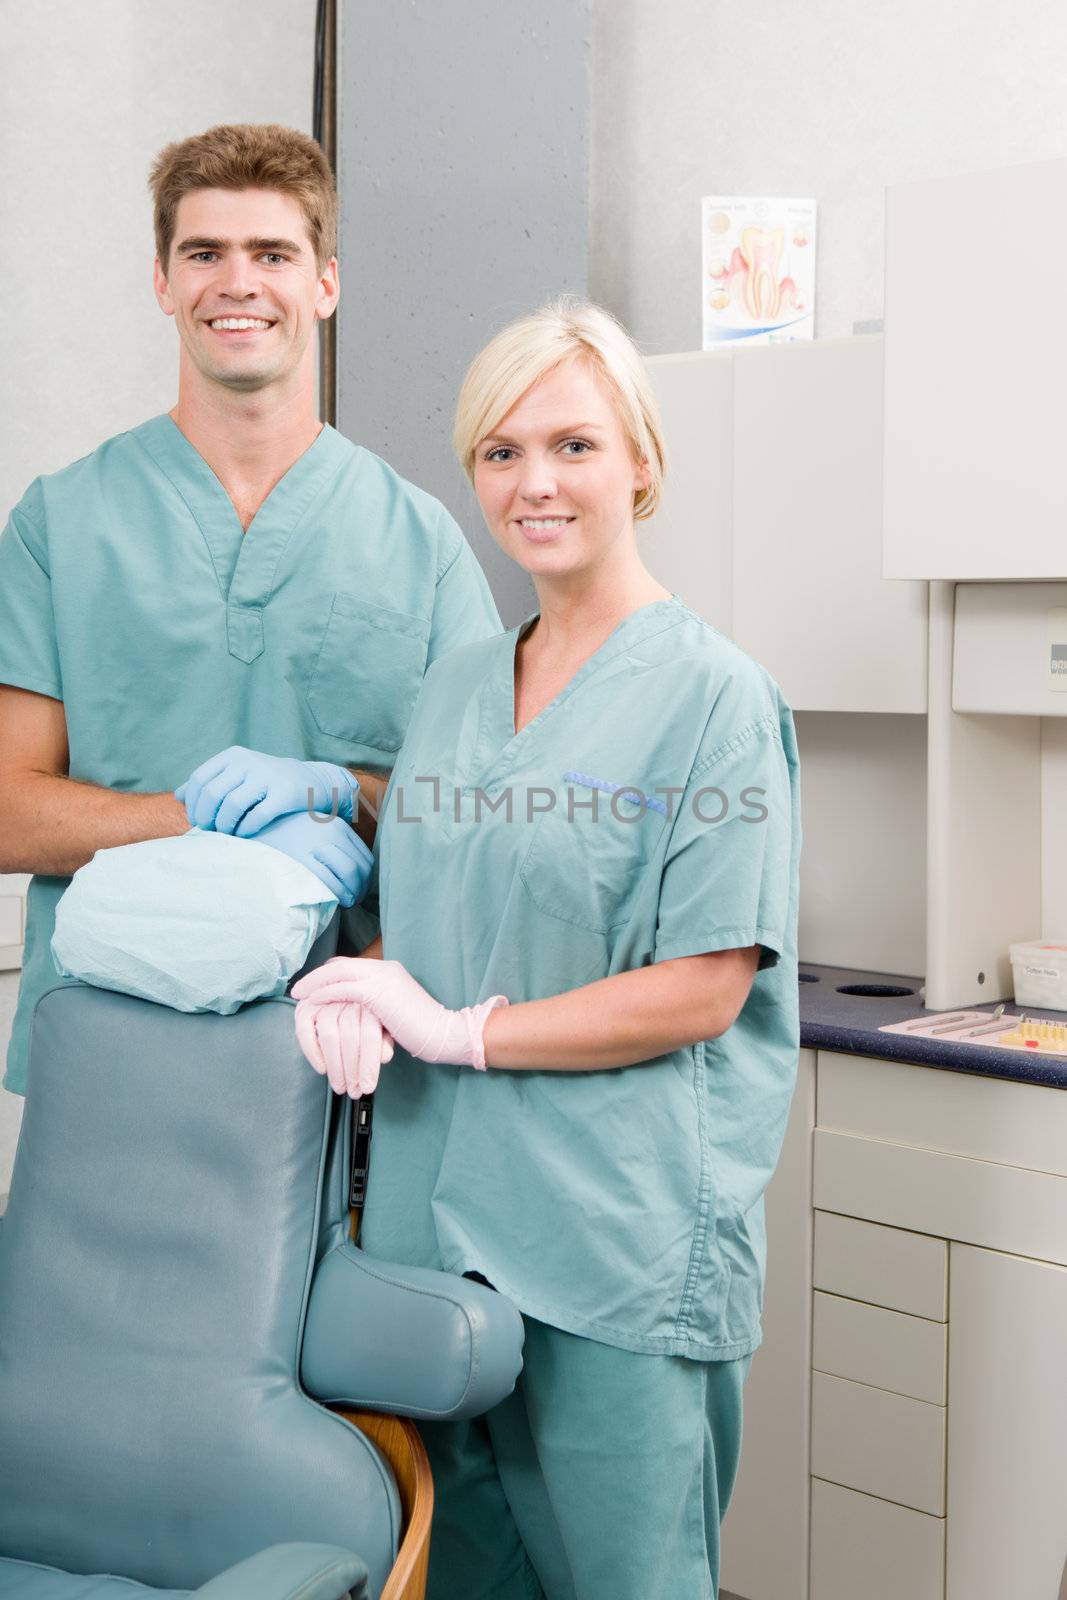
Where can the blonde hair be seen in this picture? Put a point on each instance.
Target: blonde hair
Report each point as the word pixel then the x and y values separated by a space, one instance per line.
pixel 522 353
pixel 247 155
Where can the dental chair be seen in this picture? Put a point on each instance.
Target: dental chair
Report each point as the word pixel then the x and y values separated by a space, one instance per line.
pixel 179 1304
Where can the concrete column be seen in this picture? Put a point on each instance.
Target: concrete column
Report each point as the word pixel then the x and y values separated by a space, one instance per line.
pixel 463 161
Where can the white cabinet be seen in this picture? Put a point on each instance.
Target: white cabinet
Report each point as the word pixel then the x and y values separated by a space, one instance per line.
pixel 773 1478
pixel 13 888
pixel 906 1417
pixel 983 786
pixel 687 544
pixel 1007 1482
pixel 936 1476
pixel 771 520
pixel 771 529
pixel 980 1160
pixel 974 481
pixel 1010 649
pixel 809 599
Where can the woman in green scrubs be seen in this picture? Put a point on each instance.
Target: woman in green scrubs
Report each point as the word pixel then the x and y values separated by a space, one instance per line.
pixel 596 817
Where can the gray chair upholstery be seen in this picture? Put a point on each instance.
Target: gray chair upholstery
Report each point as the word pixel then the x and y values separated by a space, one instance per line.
pixel 177 1212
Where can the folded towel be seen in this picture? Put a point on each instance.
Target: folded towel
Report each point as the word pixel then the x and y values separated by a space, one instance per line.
pixel 200 922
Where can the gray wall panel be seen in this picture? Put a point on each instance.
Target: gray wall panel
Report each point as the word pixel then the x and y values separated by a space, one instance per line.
pixel 463 157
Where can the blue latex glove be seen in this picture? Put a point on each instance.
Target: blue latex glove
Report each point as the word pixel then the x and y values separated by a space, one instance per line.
pixel 327 847
pixel 240 791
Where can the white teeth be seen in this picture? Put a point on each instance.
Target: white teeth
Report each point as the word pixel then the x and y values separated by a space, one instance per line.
pixel 237 323
pixel 544 522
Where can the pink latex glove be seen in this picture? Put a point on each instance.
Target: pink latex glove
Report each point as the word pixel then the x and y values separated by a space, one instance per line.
pixel 344 1041
pixel 419 1023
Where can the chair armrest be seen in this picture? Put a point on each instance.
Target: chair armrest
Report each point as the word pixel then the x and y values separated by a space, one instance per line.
pixel 285 1571
pixel 406 1339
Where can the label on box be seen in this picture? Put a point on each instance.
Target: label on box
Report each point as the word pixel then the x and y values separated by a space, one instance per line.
pixel 1057 648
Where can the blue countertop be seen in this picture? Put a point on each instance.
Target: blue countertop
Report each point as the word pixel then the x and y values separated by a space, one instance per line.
pixel 832 1020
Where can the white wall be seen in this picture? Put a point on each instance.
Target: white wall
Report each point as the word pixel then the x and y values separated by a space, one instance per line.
pixel 835 99
pixel 90 93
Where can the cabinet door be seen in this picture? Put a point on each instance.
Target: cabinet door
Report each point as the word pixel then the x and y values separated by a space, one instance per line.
pixel 765 1535
pixel 1007 1431
pixel 974 481
pixel 810 601
pixel 687 543
pixel 13 888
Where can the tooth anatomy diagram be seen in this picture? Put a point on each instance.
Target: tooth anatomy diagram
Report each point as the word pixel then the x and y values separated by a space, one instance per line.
pixel 751 278
pixel 758 270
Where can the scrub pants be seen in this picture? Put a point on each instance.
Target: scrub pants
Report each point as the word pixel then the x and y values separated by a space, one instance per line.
pixel 603 1476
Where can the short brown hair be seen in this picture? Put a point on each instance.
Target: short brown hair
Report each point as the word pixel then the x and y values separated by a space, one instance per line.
pixel 247 155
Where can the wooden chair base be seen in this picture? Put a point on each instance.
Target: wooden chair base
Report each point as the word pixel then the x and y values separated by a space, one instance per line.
pixel 398 1440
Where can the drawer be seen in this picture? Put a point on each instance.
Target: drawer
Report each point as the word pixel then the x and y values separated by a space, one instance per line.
pixel 1020 1212
pixel 963 1114
pixel 880 1443
pixel 884 1348
pixel 884 1266
pixel 865 1547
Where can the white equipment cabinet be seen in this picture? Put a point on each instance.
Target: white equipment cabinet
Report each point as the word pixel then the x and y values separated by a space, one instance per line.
pixel 937 1275
pixel 809 599
pixel 974 1450
pixel 771 520
pixel 974 482
pixel 13 888
pixel 689 544
pixel 1007 1432
pixel 1010 649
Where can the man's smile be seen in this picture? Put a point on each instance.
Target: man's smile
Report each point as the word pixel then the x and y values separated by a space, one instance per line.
pixel 239 325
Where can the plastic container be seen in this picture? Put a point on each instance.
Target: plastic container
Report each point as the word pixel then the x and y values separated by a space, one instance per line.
pixel 1039 972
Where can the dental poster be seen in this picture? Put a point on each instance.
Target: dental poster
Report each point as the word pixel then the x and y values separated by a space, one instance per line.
pixel 758 270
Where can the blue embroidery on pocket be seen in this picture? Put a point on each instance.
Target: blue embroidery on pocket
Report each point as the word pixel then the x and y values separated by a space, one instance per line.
pixel 607 787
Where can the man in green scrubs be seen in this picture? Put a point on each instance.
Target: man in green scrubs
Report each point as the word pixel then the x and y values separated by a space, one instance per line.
pixel 231 573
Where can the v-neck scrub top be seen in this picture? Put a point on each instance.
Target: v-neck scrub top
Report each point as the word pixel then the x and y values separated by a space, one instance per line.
pixel 625 1205
pixel 129 591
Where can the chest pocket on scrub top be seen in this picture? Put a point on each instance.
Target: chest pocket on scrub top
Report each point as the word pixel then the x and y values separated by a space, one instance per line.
pixel 588 871
pixel 367 673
